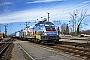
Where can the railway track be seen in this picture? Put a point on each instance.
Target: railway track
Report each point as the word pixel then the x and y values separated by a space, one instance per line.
pixel 5 49
pixel 26 54
pixel 81 50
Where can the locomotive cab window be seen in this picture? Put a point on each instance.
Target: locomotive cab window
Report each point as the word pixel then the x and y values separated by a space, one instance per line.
pixel 49 26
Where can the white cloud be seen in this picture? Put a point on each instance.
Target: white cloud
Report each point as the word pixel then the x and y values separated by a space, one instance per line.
pixel 40 1
pixel 56 13
pixel 34 14
pixel 85 2
pixel 6 3
pixel 20 16
pixel 28 15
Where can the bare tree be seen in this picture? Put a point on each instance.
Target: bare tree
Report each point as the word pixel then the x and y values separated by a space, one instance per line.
pixel 83 15
pixel 77 19
pixel 67 29
pixel 63 28
pixel 73 20
pixel 57 22
pixel 58 29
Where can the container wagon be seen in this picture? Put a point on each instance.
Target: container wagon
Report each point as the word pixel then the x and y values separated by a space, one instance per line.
pixel 27 33
pixel 21 34
pixel 1 35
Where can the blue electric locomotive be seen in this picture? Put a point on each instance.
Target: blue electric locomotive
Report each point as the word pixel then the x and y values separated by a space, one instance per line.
pixel 45 32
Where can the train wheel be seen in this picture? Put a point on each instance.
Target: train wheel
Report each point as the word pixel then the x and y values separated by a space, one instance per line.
pixel 37 41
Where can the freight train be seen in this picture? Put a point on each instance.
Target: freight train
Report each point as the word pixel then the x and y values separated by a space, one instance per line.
pixel 41 32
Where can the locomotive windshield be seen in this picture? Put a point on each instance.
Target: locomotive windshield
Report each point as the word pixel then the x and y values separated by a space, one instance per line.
pixel 49 26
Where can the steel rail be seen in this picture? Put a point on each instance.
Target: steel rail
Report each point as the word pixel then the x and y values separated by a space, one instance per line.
pixel 4 49
pixel 26 52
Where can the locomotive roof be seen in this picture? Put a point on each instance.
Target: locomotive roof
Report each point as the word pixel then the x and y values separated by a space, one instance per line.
pixel 46 22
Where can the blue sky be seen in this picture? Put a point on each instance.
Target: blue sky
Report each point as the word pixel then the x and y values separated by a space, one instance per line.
pixel 16 12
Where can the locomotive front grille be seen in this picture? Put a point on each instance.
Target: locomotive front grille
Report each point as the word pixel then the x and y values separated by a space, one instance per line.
pixel 48 37
pixel 52 37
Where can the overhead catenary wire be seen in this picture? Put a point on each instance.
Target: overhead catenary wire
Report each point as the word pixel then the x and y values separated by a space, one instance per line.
pixel 45 10
pixel 74 8
pixel 64 13
pixel 3 7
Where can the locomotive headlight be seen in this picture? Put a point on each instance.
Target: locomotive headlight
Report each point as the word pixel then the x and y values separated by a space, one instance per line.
pixel 57 33
pixel 45 33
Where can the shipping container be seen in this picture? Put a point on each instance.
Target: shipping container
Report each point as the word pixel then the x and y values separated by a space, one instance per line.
pixel 24 33
pixel 28 32
pixel 21 34
pixel 1 35
pixel 17 34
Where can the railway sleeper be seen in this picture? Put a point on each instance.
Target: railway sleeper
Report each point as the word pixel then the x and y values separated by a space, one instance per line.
pixel 84 55
pixel 2 49
pixel 70 43
pixel 75 52
pixel 81 53
pixel 85 45
pixel 6 54
pixel 80 49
